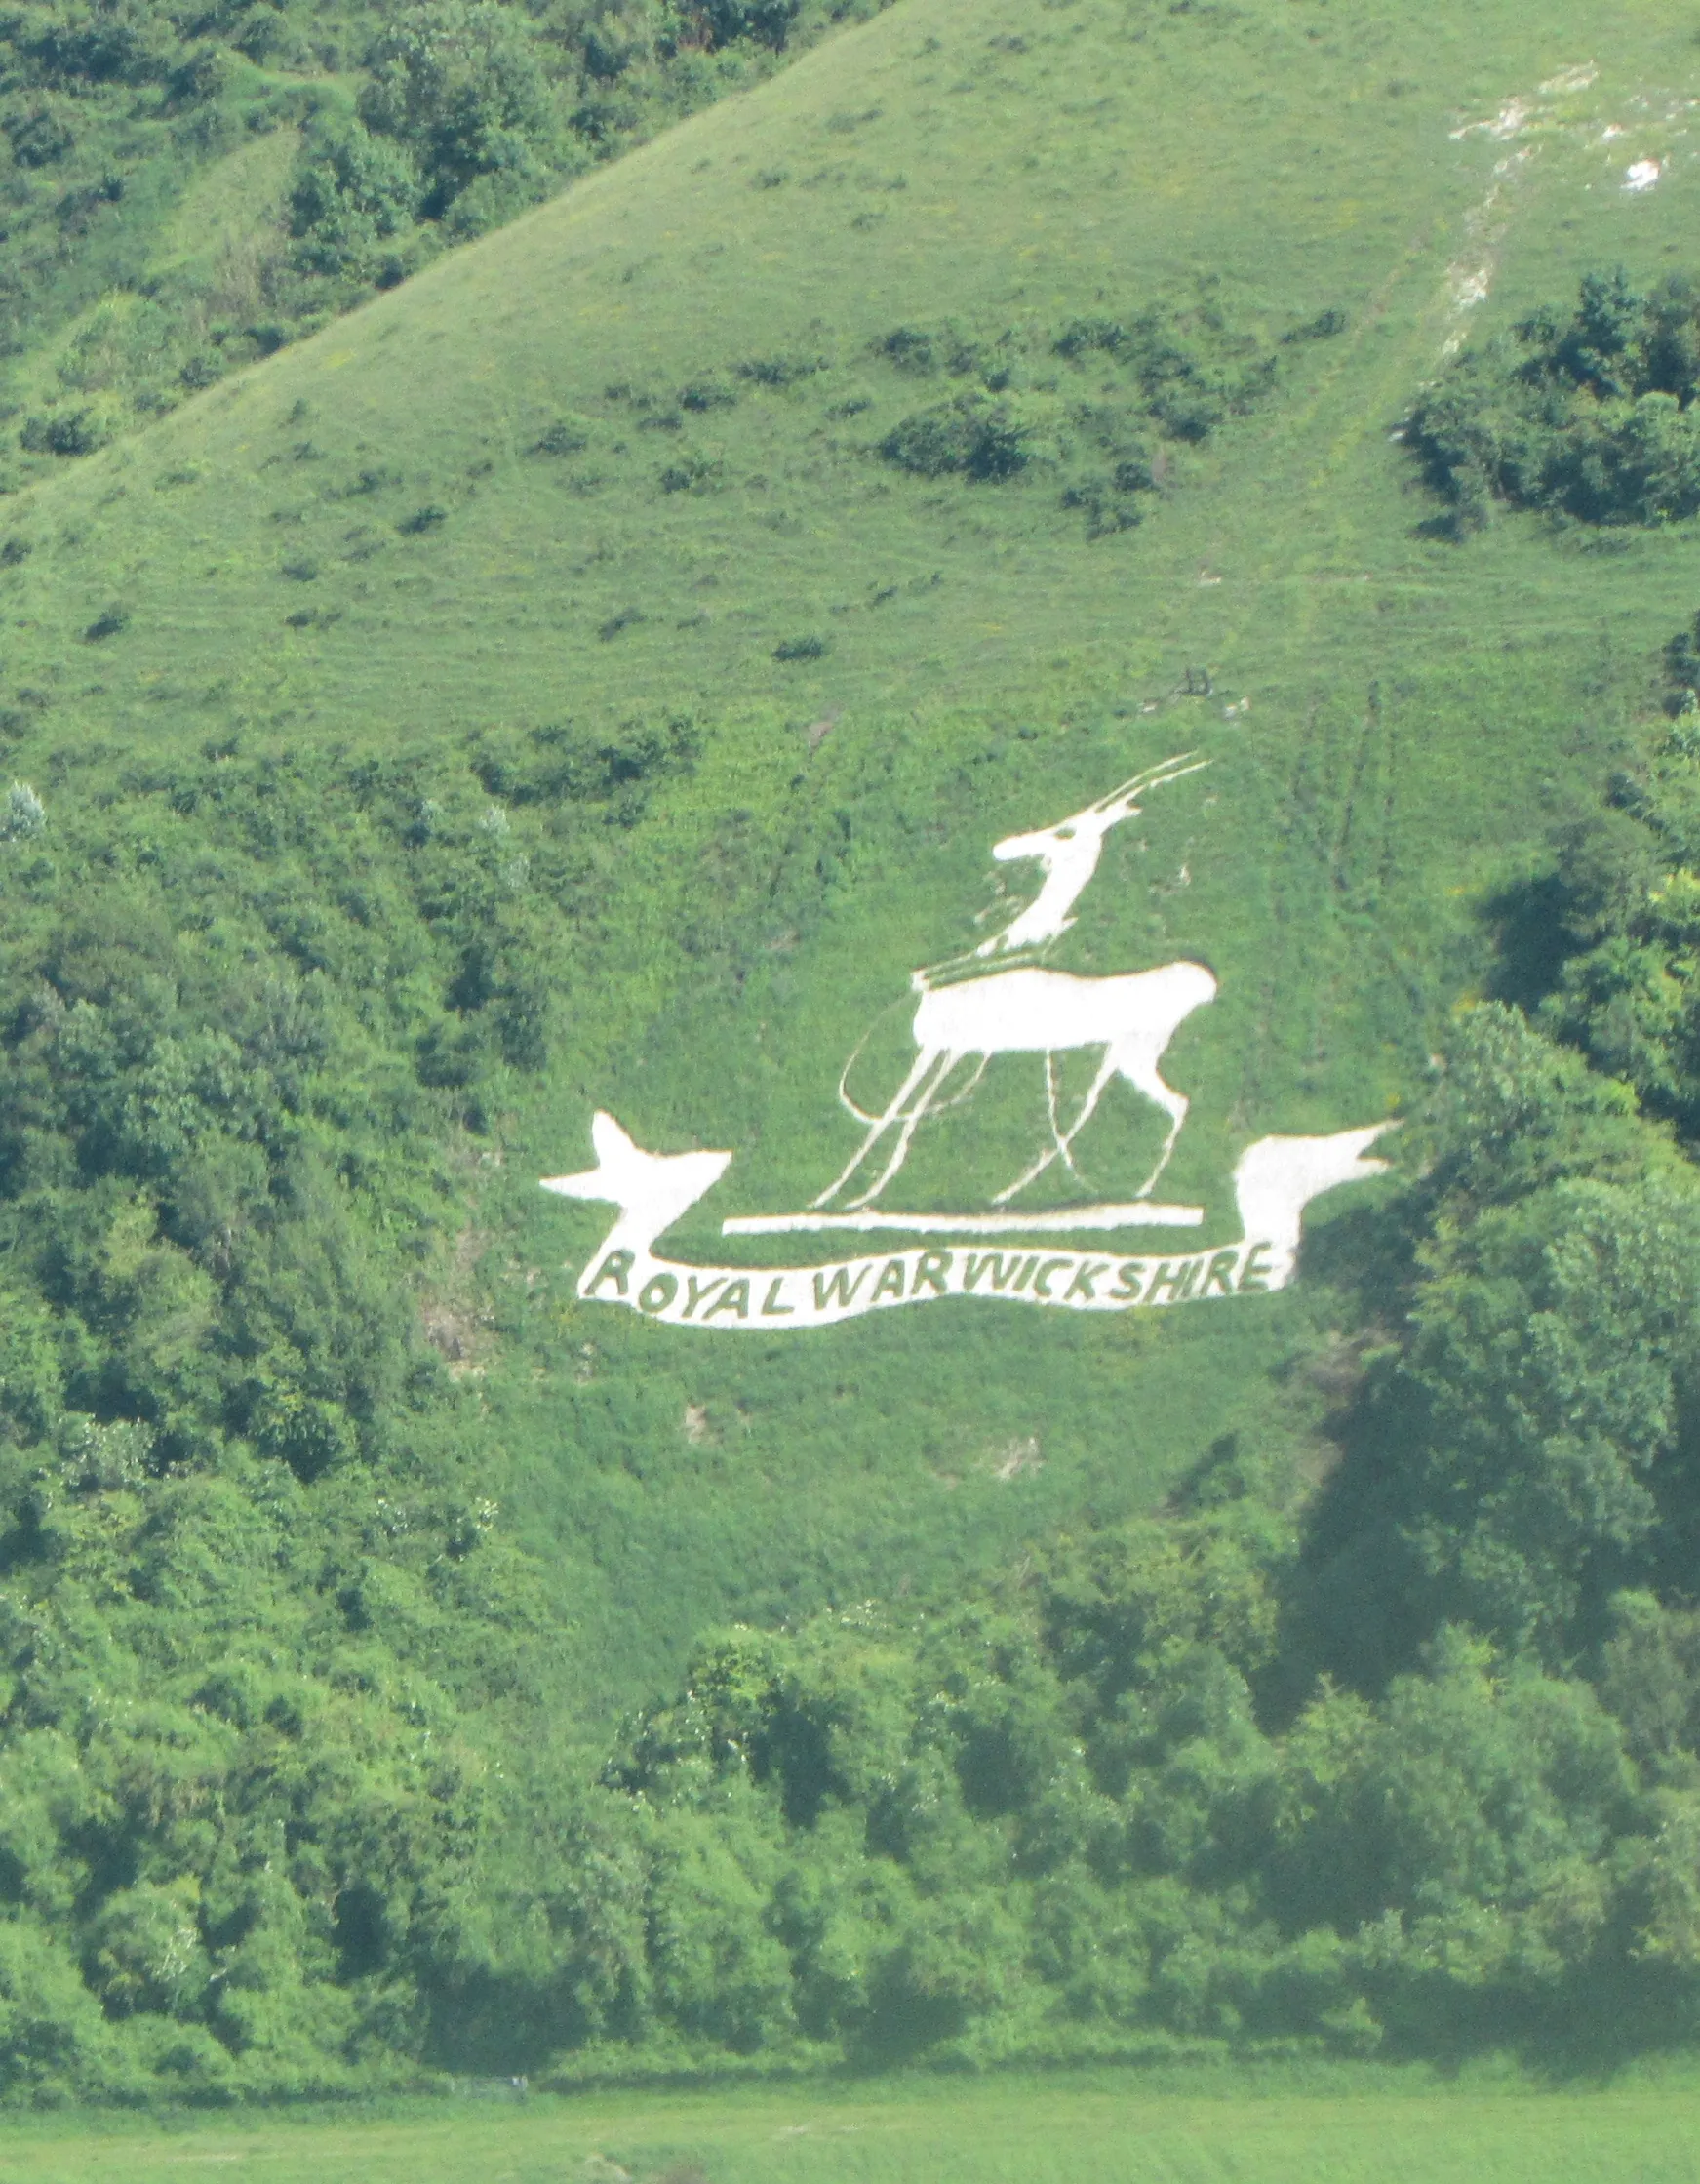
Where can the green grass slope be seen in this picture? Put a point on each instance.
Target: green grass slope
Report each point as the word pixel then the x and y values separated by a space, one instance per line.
pixel 486 520
pixel 1339 2125
pixel 187 190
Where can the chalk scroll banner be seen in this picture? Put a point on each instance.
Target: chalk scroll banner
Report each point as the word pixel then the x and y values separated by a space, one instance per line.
pixel 1275 1181
pixel 1001 1002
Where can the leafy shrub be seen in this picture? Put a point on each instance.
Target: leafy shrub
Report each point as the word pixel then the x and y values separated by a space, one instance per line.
pixel 1325 327
pixel 1112 504
pixel 353 191
pixel 565 763
pixel 767 22
pixel 709 393
pixel 803 648
pixel 428 518
pixel 1590 413
pixel 977 435
pixel 1175 374
pixel 39 134
pixel 780 371
pixel 911 349
pixel 1682 667
pixel 692 473
pixel 66 432
pixel 23 814
pixel 459 87
pixel 568 435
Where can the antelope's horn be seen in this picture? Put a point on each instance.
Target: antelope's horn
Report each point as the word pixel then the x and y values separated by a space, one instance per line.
pixel 1154 777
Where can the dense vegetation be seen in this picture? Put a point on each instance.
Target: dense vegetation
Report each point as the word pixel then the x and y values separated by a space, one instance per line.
pixel 594 675
pixel 1587 412
pixel 234 1058
pixel 186 188
pixel 1412 1760
pixel 1415 1761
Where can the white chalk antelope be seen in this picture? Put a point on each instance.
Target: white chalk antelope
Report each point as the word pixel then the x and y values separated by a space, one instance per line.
pixel 1030 1010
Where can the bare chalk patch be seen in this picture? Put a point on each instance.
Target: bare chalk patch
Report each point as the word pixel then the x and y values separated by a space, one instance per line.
pixel 1020 1457
pixel 1469 277
pixel 1558 112
pixel 1531 110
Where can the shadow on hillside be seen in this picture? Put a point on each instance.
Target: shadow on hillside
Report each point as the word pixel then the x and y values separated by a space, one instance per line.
pixel 1531 938
pixel 1364 1256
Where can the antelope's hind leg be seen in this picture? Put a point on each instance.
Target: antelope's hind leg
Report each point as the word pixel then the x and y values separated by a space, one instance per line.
pixel 917 1110
pixel 923 1062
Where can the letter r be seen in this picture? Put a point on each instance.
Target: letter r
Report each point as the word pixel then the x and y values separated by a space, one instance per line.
pixel 615 1268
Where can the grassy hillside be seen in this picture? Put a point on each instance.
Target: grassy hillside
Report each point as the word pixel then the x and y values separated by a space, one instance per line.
pixel 362 562
pixel 189 188
pixel 593 676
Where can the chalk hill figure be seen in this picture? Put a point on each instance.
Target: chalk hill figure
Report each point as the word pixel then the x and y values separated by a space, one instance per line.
pixel 1131 1017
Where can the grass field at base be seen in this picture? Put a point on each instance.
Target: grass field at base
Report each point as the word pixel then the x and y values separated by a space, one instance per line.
pixel 1105 2128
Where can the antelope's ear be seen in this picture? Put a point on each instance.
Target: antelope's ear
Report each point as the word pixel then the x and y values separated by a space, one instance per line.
pixel 609 1141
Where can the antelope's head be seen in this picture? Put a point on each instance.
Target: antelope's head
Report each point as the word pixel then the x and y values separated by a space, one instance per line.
pixel 1079 838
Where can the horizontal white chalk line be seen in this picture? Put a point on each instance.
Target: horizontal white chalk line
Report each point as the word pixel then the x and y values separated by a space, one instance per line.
pixel 1060 1221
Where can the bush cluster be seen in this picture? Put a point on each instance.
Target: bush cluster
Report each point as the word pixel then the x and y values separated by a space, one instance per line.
pixel 1089 404
pixel 253 1600
pixel 1589 413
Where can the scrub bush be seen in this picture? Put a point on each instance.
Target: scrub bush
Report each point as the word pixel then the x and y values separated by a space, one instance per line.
pixel 1084 403
pixel 1590 413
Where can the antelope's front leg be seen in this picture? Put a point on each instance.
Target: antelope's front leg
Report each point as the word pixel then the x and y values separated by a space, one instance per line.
pixel 1056 1146
pixel 1060 1138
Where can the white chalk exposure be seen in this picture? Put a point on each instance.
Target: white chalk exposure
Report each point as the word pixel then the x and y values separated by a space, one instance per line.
pixel 1129 1019
pixel 1517 117
pixel 1559 113
pixel 966 1015
pixel 1275 1181
pixel 1060 1221
pixel 1069 852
